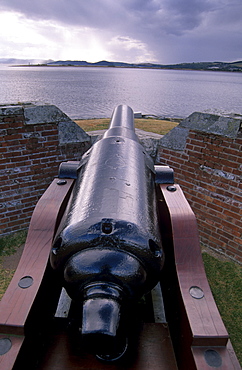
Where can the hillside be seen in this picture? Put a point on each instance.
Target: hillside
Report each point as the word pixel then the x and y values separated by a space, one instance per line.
pixel 216 66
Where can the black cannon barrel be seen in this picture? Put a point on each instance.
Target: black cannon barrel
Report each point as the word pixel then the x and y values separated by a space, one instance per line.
pixel 109 249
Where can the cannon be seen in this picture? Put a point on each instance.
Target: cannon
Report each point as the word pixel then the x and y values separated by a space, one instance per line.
pixel 109 248
pixel 112 239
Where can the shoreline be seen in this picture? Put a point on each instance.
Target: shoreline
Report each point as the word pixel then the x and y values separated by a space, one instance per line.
pixel 124 67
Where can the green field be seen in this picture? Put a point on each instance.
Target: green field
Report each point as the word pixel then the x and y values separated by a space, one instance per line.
pixel 153 125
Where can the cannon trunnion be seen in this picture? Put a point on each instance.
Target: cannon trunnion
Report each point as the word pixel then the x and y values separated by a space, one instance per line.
pixel 112 229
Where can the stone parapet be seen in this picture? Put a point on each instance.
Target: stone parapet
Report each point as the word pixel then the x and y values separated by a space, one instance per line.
pixel 205 152
pixel 35 139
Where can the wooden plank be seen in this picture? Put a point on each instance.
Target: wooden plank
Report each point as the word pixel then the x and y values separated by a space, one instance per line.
pixel 199 335
pixel 7 360
pixel 216 357
pixel 204 319
pixel 21 293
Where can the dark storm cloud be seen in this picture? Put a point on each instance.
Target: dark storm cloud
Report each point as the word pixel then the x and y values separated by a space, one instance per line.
pixel 90 13
pixel 170 16
pixel 178 29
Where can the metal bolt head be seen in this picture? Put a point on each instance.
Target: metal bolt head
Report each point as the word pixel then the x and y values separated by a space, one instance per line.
pixel 5 345
pixel 213 358
pixel 171 188
pixel 61 182
pixel 25 282
pixel 196 292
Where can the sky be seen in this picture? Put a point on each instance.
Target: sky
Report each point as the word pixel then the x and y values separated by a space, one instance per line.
pixel 157 31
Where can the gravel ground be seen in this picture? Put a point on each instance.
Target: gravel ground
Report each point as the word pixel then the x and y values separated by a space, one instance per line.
pixel 11 262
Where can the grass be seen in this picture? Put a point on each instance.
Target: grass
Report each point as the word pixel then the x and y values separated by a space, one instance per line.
pixel 152 125
pixel 8 246
pixel 5 278
pixel 225 279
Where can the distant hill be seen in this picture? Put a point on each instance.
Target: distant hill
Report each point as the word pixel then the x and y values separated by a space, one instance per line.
pixel 102 63
pixel 216 66
pixel 219 66
pixel 201 66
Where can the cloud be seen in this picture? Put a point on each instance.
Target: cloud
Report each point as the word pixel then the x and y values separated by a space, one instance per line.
pixel 166 31
pixel 131 49
pixel 169 16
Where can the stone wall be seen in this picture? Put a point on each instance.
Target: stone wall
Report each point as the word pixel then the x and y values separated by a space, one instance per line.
pixel 205 153
pixel 35 139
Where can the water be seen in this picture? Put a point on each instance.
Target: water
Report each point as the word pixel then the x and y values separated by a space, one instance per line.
pixel 94 92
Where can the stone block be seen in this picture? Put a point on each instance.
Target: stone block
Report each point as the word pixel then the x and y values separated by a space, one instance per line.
pixel 10 110
pixel 70 132
pixel 38 113
pixel 213 124
pixel 149 140
pixel 175 139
